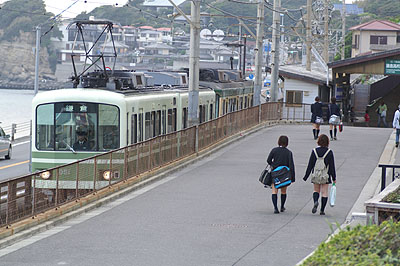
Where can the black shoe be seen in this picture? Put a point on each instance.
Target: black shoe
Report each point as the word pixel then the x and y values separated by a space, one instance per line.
pixel 283 209
pixel 334 138
pixel 315 137
pixel 322 213
pixel 314 209
pixel 276 211
pixel 397 145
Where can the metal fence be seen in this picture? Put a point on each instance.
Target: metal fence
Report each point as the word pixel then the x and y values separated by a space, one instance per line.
pixel 389 174
pixel 31 194
pixel 18 130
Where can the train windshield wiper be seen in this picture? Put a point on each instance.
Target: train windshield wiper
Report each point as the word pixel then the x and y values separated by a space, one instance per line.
pixel 69 147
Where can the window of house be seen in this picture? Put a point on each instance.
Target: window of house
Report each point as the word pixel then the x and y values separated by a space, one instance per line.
pixel 294 97
pixel 378 40
pixel 398 38
pixel 356 41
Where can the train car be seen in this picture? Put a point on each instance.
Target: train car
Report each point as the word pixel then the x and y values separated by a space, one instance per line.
pixel 72 124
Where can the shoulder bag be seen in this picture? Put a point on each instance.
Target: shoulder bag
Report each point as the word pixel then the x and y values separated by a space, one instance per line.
pixel 265 177
pixel 281 176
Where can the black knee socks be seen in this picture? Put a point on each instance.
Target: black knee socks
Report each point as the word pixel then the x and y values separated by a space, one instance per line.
pixel 317 132
pixel 335 131
pixel 330 133
pixel 283 200
pixel 275 201
pixel 314 132
pixel 324 201
pixel 315 196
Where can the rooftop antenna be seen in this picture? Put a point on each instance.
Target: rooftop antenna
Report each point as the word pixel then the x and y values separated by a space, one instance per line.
pixel 94 49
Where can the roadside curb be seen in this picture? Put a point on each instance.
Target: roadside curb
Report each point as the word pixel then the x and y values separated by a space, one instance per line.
pixel 44 221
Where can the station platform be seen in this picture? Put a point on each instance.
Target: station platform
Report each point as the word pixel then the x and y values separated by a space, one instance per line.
pixel 215 211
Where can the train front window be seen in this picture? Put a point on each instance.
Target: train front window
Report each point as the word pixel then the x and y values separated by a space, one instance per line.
pixel 76 126
pixel 45 127
pixel 72 126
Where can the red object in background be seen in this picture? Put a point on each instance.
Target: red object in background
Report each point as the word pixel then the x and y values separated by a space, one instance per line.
pixel 340 127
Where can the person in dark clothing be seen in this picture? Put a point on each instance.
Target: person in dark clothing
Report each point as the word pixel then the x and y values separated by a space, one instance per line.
pixel 281 156
pixel 82 144
pixel 334 118
pixel 316 116
pixel 322 150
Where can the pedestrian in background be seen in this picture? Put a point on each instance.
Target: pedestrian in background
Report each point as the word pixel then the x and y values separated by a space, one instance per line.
pixel 316 116
pixel 382 110
pixel 321 154
pixel 396 125
pixel 366 118
pixel 281 156
pixel 334 118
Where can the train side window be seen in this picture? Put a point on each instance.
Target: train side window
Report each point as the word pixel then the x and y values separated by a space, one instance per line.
pixel 169 120
pixel 45 127
pixel 134 128
pixel 202 113
pixel 211 111
pixel 174 115
pixel 153 124
pixel 164 120
pixel 109 130
pixel 147 125
pixel 184 117
pixel 157 125
pixel 140 135
pixel 217 103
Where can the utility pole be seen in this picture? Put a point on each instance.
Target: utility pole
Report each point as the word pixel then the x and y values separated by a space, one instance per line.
pixel 37 57
pixel 194 62
pixel 275 51
pixel 326 31
pixel 308 36
pixel 343 28
pixel 240 47
pixel 259 53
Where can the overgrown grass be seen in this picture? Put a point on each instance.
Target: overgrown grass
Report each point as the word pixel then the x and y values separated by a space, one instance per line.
pixel 393 197
pixel 362 246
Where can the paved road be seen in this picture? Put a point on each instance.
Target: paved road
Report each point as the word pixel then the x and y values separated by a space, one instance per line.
pixel 19 163
pixel 213 212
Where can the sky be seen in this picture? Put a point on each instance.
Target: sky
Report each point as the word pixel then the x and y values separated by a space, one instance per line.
pixel 57 6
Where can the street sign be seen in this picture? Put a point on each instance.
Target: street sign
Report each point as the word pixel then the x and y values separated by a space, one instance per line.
pixel 251 76
pixel 392 67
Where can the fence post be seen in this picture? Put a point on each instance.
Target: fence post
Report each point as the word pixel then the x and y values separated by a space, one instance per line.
pixel 383 178
pixel 125 163
pixel 13 131
pixel 77 180
pixel 57 192
pixel 94 174
pixel 111 170
pixel 196 139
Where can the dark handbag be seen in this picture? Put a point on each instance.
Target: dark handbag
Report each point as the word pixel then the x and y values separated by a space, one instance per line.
pixel 265 177
pixel 281 177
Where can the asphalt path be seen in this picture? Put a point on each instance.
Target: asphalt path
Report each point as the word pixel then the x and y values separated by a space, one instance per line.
pixel 214 212
pixel 18 165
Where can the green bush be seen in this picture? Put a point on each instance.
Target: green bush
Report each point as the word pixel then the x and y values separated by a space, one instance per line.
pixel 362 245
pixel 393 197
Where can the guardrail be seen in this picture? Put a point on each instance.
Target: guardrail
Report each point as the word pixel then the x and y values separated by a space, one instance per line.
pixel 392 171
pixel 18 130
pixel 30 195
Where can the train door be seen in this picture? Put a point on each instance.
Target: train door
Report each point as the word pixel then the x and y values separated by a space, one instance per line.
pixel 140 128
pixel 211 112
pixel 184 117
pixel 171 120
pixel 164 120
pixel 157 123
pixel 217 98
pixel 134 127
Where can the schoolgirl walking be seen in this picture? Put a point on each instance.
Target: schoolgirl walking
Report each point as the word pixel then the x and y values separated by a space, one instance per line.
pixel 321 166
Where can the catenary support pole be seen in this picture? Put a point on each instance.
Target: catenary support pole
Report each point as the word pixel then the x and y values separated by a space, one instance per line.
pixel 308 36
pixel 194 61
pixel 259 53
pixel 326 31
pixel 275 51
pixel 343 28
pixel 37 52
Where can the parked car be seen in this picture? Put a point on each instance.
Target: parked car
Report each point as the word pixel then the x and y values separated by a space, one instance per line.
pixel 5 145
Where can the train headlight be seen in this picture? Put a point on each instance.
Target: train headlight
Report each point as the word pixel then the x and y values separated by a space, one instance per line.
pixel 107 175
pixel 45 175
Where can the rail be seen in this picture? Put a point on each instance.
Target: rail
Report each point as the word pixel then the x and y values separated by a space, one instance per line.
pixel 392 171
pixel 30 195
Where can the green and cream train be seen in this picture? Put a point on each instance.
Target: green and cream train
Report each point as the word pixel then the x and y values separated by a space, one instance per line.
pixel 77 123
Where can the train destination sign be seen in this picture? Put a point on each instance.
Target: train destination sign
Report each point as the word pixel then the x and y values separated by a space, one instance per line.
pixel 392 67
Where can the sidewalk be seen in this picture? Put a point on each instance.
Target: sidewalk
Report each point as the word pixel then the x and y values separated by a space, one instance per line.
pixel 214 212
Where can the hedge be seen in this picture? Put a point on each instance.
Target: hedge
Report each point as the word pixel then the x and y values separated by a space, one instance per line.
pixel 361 245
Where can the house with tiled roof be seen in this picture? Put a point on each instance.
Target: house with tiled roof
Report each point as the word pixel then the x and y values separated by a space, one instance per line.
pixel 374 36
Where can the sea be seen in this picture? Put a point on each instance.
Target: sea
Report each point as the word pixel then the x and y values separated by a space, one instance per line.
pixel 15 107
